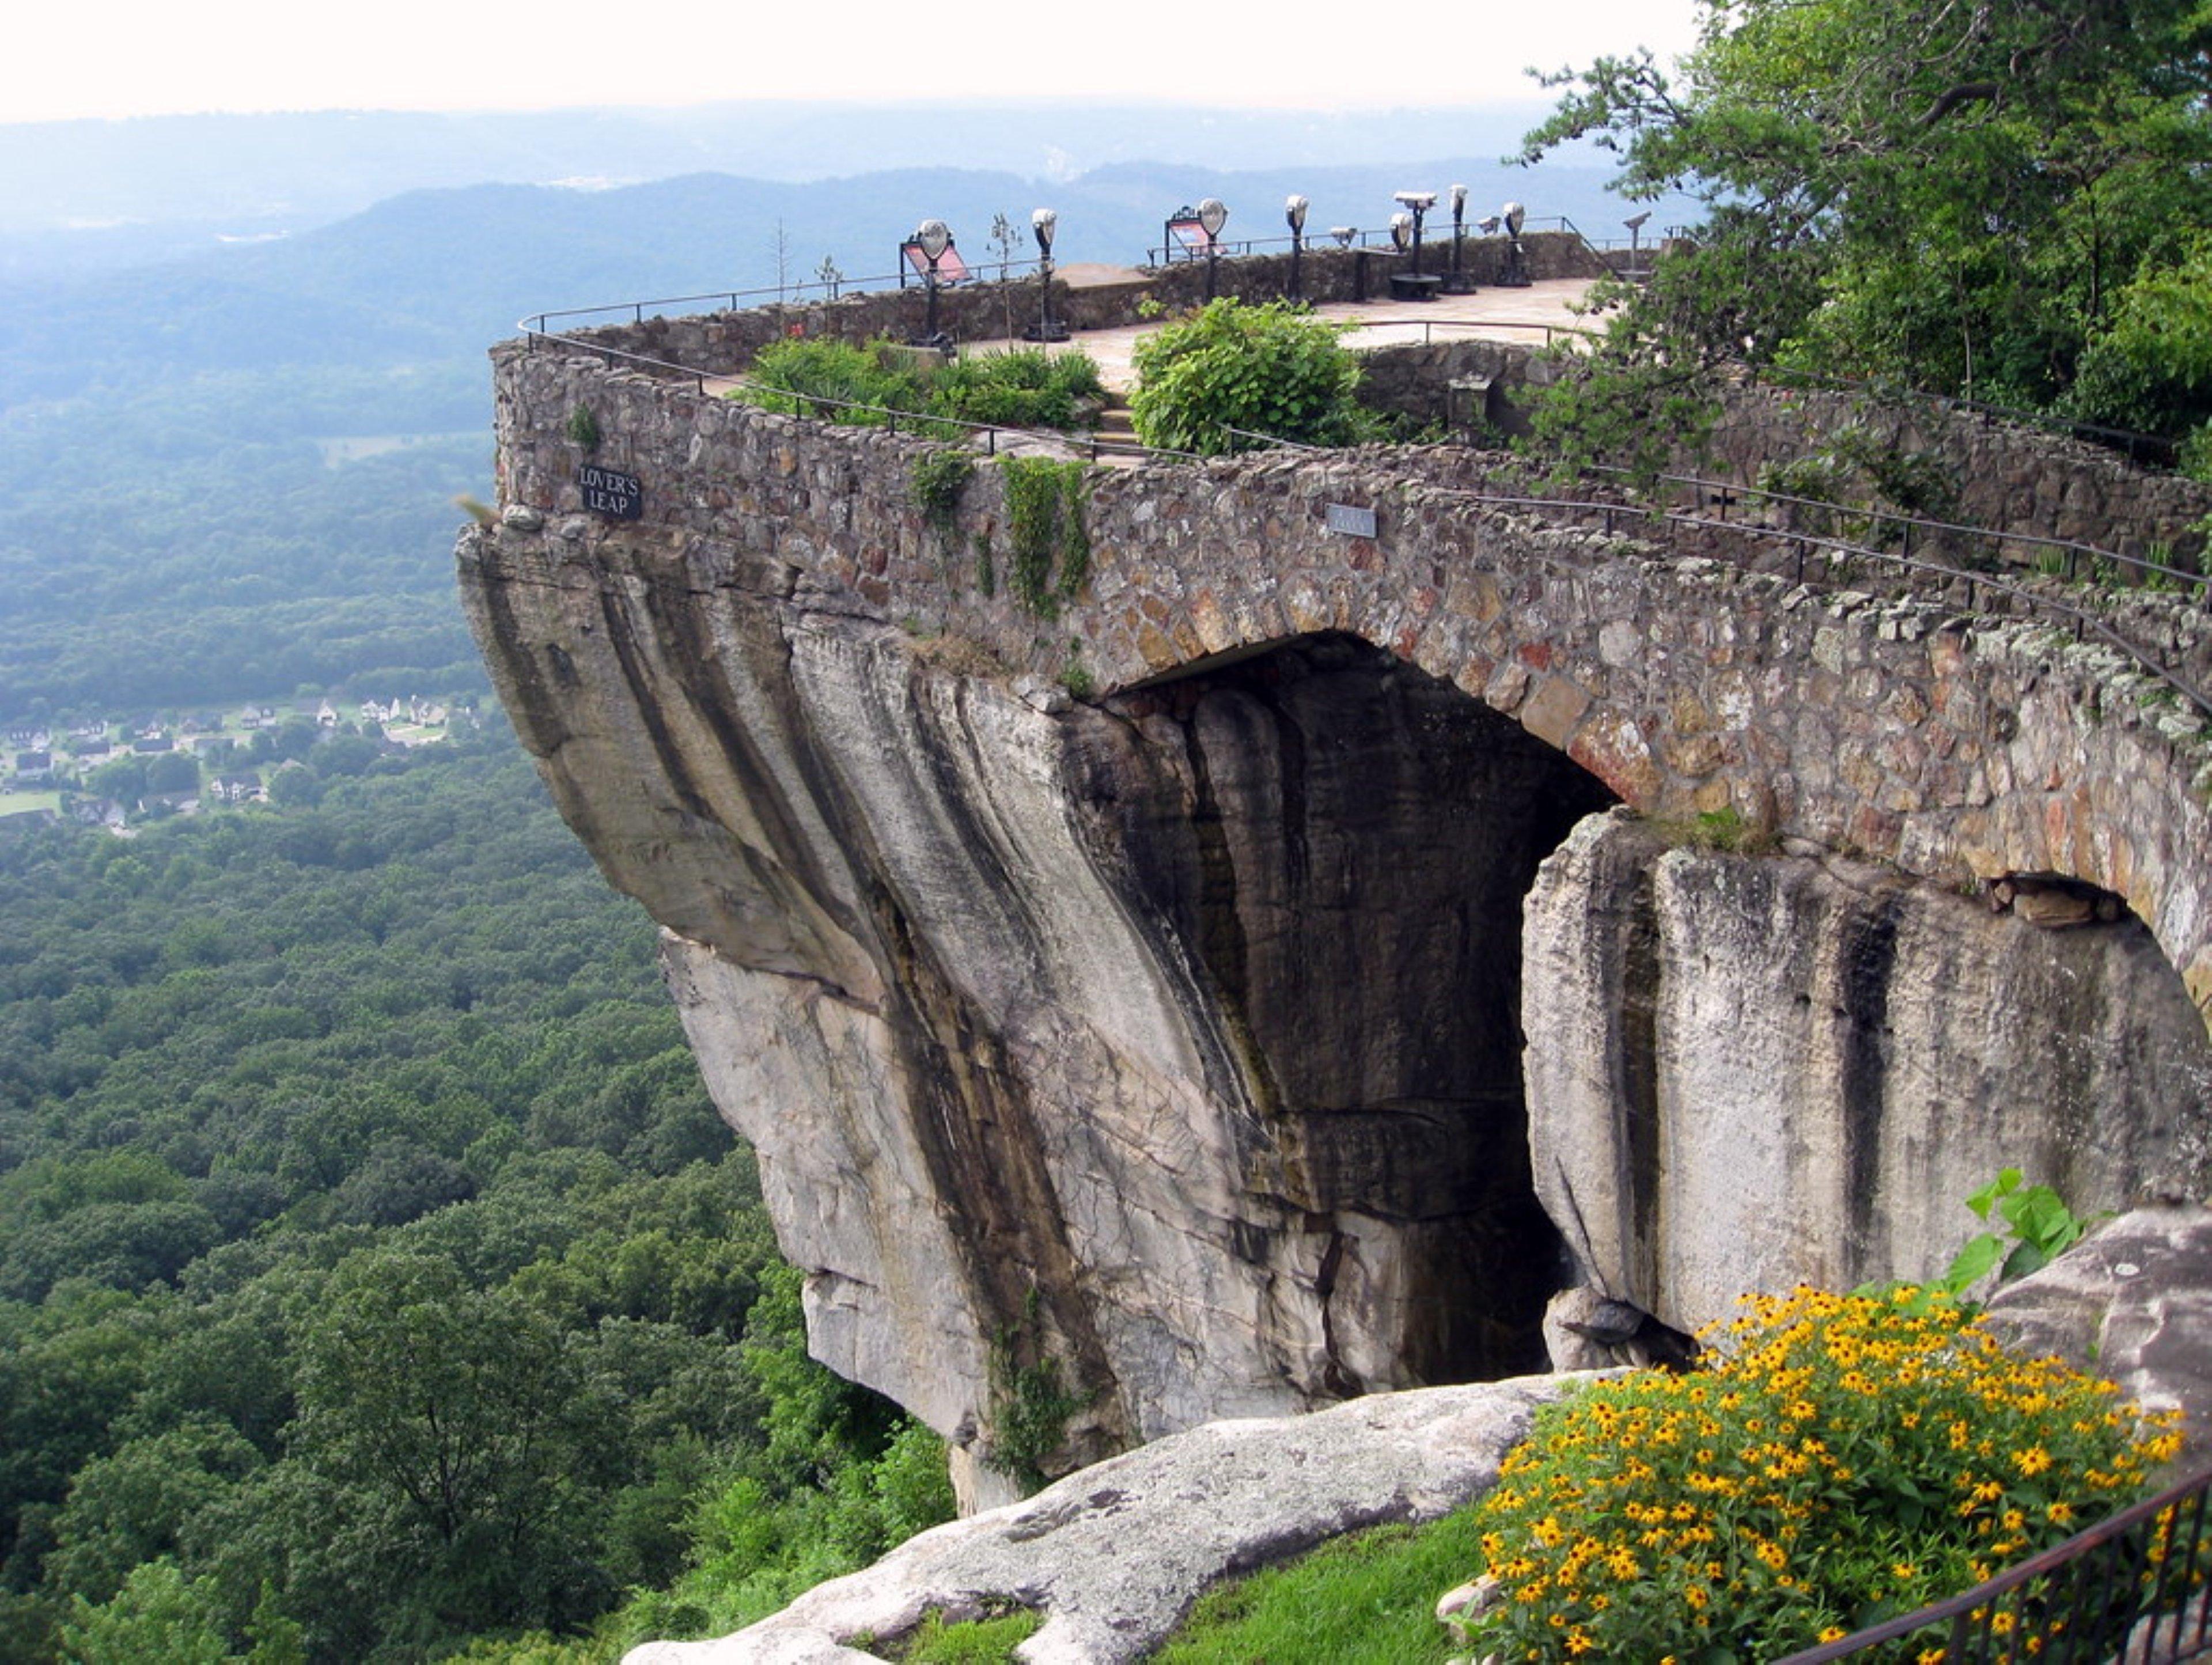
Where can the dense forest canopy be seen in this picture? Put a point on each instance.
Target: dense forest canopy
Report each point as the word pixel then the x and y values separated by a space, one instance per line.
pixel 375 1276
pixel 2000 201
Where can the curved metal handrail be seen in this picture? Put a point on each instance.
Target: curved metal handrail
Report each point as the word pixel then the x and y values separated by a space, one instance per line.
pixel 1971 1616
pixel 1430 325
pixel 666 370
pixel 798 293
pixel 2084 623
pixel 2098 433
pixel 1729 490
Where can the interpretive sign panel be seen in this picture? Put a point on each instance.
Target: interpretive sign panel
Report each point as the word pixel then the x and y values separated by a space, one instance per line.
pixel 608 492
pixel 1351 522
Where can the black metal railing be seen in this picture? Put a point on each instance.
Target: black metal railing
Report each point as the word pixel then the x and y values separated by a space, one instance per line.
pixel 782 401
pixel 1980 589
pixel 1438 235
pixel 1432 327
pixel 2160 449
pixel 2132 1588
pixel 2067 558
pixel 797 293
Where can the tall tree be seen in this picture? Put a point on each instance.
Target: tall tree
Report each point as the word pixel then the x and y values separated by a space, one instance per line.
pixel 1952 195
pixel 465 1415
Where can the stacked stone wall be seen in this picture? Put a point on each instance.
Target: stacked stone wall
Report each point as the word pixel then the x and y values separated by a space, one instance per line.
pixel 2020 480
pixel 723 343
pixel 1429 382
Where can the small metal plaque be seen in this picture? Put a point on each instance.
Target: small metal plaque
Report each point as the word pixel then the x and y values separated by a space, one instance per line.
pixel 1351 522
pixel 609 492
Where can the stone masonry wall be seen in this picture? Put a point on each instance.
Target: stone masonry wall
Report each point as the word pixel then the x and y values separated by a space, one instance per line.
pixel 2008 478
pixel 1956 748
pixel 1417 380
pixel 722 343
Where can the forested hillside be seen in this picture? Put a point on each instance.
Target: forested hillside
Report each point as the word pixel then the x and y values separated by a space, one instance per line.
pixel 374 1275
pixel 190 542
pixel 231 475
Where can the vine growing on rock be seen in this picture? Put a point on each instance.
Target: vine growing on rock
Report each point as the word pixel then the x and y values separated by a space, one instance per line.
pixel 938 480
pixel 1033 1406
pixel 1050 556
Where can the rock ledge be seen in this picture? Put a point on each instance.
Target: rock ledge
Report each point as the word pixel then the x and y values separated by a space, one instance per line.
pixel 1115 1555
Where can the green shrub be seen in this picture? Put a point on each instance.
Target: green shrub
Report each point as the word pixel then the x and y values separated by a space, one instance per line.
pixel 938 481
pixel 840 382
pixel 1842 1459
pixel 2038 1227
pixel 1272 370
pixel 787 376
pixel 1028 387
pixel 1857 468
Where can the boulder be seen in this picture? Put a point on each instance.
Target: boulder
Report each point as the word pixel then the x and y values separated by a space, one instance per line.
pixel 1749 1071
pixel 1115 1555
pixel 2132 1303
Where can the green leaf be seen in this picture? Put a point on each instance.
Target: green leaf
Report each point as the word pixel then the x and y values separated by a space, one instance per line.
pixel 2003 1185
pixel 2025 1258
pixel 1973 1263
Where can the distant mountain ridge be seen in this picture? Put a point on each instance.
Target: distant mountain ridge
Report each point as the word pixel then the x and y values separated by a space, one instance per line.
pixel 250 174
pixel 436 273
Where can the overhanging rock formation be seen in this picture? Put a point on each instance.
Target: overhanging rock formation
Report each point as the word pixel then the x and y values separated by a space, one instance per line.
pixel 1156 1056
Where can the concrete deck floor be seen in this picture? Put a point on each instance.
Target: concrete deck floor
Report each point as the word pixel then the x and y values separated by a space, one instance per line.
pixel 1527 315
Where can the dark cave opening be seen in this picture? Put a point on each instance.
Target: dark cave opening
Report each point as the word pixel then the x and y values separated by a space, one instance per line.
pixel 1358 841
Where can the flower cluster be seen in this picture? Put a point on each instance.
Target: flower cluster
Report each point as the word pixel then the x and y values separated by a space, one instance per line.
pixel 1835 1460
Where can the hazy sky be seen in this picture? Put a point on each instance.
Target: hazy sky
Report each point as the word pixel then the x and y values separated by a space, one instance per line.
pixel 121 58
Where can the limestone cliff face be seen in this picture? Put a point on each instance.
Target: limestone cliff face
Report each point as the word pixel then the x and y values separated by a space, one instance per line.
pixel 1174 1044
pixel 1171 1045
pixel 1748 1071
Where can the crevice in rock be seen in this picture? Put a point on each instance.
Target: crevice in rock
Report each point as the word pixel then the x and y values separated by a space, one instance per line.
pixel 1220 932
pixel 1637 1089
pixel 1868 964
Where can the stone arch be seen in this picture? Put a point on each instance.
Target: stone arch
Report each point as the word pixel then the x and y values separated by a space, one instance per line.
pixel 1958 747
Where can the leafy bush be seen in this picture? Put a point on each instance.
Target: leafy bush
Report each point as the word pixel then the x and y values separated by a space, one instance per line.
pixel 1858 467
pixel 840 382
pixel 1025 388
pixel 1272 370
pixel 2039 1228
pixel 788 375
pixel 1843 1459
pixel 938 480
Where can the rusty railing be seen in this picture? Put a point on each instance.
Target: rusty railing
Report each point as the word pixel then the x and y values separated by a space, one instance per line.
pixel 2131 1590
